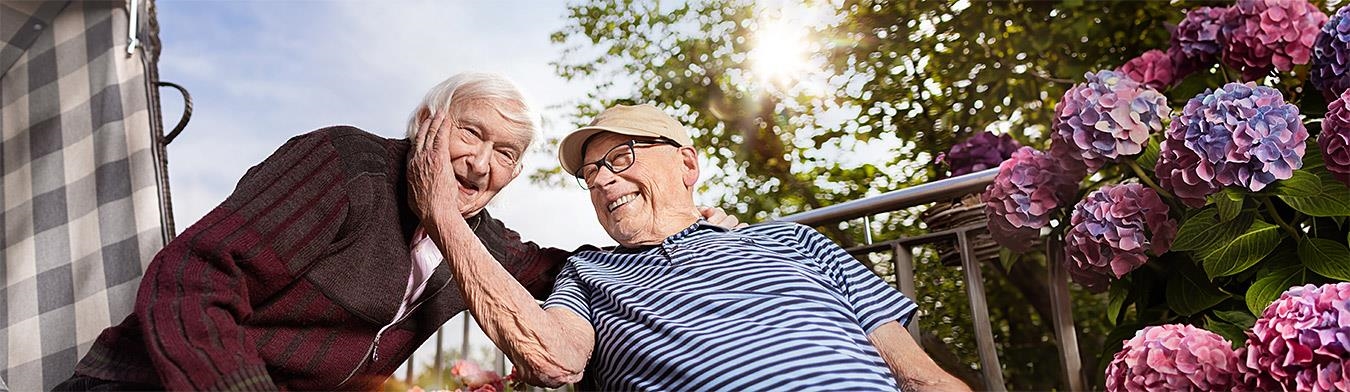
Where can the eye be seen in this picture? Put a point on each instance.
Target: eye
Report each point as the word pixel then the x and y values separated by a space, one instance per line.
pixel 622 159
pixel 507 156
pixel 471 133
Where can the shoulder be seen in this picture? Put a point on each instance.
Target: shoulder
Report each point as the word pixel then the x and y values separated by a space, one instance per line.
pixel 357 151
pixel 779 230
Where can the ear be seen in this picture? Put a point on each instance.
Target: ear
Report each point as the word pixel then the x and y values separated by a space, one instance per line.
pixel 689 158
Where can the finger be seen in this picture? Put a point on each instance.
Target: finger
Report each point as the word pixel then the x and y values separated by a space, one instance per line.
pixel 439 133
pixel 420 138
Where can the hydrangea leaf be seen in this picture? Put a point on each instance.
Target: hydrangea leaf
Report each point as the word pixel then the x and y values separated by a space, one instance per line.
pixel 1228 205
pixel 1119 296
pixel 1235 334
pixel 1302 184
pixel 1236 317
pixel 1242 252
pixel 1325 257
pixel 1149 158
pixel 1332 198
pixel 1203 230
pixel 1189 292
pixel 1268 288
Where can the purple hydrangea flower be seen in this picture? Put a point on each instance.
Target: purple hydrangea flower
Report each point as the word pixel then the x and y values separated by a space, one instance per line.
pixel 980 152
pixel 1108 116
pixel 1112 232
pixel 1261 35
pixel 1300 342
pixel 1196 42
pixel 1240 134
pixel 1029 187
pixel 1335 138
pixel 1331 55
pixel 1154 69
pixel 1174 357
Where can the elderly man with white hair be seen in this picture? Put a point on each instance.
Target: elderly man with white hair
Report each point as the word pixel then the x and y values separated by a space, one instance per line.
pixel 315 273
pixel 680 304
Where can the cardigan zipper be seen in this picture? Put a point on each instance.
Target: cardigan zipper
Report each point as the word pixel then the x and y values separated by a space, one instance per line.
pixel 374 351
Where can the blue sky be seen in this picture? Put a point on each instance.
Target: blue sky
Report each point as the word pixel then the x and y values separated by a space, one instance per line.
pixel 262 72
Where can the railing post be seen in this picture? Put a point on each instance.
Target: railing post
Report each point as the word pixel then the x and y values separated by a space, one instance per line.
pixel 1061 308
pixel 984 334
pixel 436 365
pixel 902 261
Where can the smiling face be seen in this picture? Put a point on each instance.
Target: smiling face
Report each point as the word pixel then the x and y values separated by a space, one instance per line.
pixel 484 153
pixel 649 201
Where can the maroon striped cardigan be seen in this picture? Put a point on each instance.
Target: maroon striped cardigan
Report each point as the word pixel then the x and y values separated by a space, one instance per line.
pixel 286 284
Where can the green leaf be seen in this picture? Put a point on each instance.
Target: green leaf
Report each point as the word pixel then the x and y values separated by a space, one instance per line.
pixel 1235 334
pixel 1242 252
pixel 1149 158
pixel 1189 292
pixel 1119 295
pixel 1332 198
pixel 1204 231
pixel 1325 257
pixel 1312 156
pixel 1302 184
pixel 1228 206
pixel 1236 317
pixel 1268 288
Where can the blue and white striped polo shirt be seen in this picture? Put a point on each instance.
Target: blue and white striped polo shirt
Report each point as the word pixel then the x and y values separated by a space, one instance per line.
pixel 768 307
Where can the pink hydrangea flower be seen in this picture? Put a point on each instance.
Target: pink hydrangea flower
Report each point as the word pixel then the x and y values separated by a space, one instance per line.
pixel 1300 341
pixel 1106 117
pixel 1112 232
pixel 1174 357
pixel 1335 138
pixel 1154 69
pixel 1029 187
pixel 1261 35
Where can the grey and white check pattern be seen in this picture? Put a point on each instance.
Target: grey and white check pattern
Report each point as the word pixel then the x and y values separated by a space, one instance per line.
pixel 81 205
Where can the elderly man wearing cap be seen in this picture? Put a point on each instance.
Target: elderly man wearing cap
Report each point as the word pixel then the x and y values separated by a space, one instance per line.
pixel 681 304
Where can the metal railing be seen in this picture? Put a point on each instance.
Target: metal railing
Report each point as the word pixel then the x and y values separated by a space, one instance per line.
pixel 903 265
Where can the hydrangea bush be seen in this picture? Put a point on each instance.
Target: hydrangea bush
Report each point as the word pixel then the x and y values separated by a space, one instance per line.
pixel 977 153
pixel 1199 217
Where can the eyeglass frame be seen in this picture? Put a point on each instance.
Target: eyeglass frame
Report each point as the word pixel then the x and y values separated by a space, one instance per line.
pixel 604 159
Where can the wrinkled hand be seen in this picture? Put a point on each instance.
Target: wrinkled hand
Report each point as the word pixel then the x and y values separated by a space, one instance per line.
pixel 431 178
pixel 718 217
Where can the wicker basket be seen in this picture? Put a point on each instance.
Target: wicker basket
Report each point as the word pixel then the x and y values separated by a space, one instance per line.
pixel 968 210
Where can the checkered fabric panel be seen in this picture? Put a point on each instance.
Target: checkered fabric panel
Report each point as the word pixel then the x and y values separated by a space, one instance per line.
pixel 81 205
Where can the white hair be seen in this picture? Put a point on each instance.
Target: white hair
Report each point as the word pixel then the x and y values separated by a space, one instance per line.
pixel 495 90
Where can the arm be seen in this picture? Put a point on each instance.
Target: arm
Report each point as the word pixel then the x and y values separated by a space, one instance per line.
pixel 551 347
pixel 912 368
pixel 199 288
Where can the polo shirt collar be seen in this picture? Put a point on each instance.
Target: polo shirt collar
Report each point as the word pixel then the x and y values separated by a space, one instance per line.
pixel 692 230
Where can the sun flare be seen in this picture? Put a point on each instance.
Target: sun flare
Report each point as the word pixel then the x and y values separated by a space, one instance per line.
pixel 779 54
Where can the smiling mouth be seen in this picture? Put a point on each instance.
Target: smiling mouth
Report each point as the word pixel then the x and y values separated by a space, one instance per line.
pixel 466 186
pixel 622 200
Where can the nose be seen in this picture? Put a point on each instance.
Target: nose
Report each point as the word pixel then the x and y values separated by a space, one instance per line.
pixel 480 160
pixel 603 177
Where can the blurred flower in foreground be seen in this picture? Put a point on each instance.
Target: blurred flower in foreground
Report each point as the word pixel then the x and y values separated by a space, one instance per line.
pixel 1335 139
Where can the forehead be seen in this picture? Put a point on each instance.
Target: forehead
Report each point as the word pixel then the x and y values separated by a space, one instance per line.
pixel 602 143
pixel 482 114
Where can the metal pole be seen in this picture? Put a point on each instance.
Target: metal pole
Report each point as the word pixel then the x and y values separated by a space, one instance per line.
pixel 984 334
pixel 437 365
pixel 867 229
pixel 1071 363
pixel 903 264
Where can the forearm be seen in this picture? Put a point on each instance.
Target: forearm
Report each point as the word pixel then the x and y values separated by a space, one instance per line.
pixel 913 369
pixel 553 350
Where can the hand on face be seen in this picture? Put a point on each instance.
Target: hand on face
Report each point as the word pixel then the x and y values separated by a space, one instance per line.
pixel 718 217
pixel 432 187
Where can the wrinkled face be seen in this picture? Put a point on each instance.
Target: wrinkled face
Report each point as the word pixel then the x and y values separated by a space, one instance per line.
pixel 634 206
pixel 484 153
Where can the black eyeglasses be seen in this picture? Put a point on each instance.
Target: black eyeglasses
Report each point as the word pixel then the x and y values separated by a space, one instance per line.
pixel 617 159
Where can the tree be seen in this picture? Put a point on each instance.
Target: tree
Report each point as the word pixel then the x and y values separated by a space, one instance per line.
pixel 901 79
